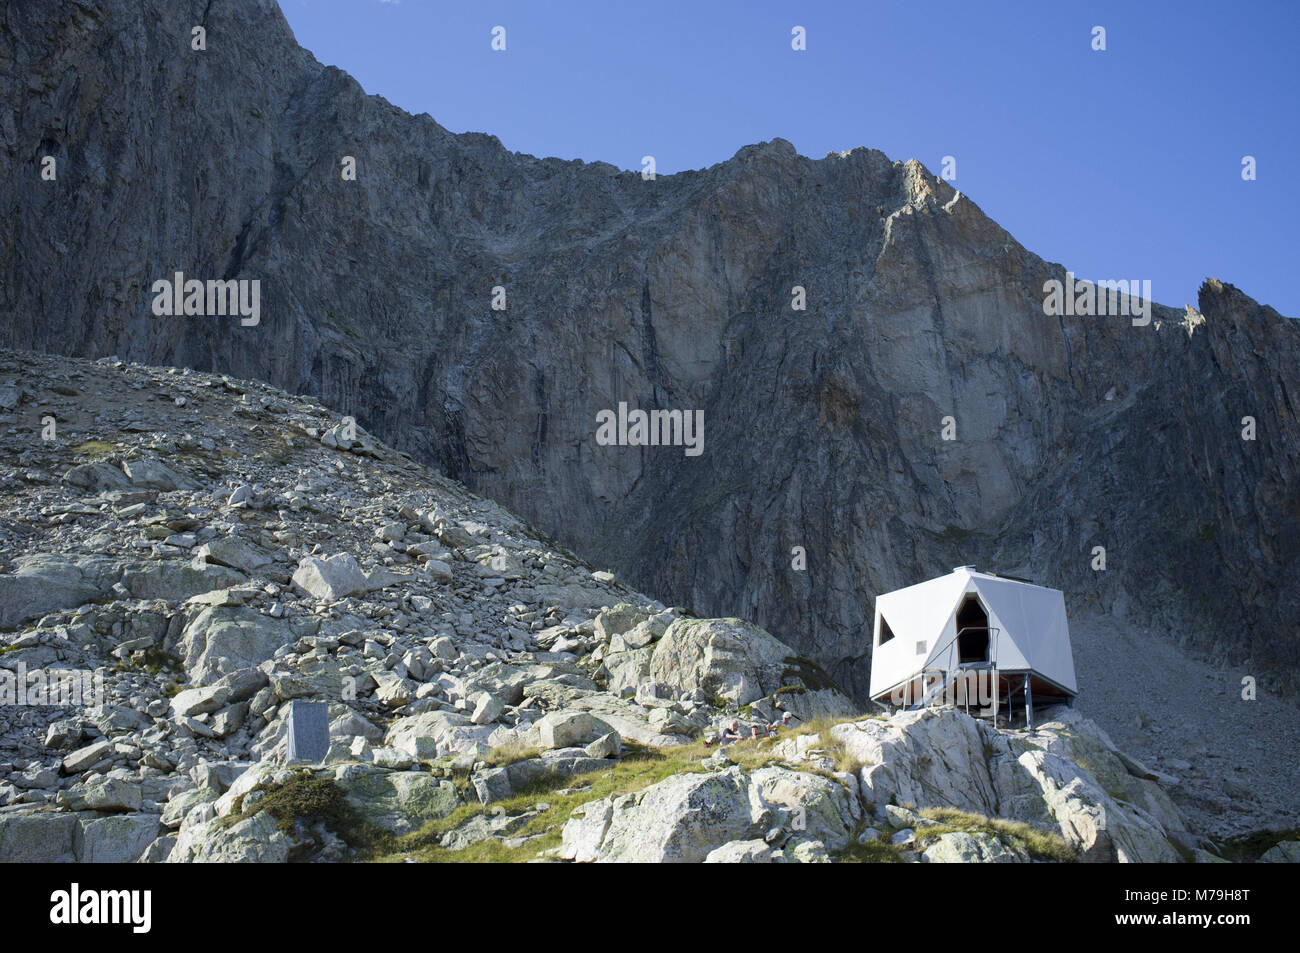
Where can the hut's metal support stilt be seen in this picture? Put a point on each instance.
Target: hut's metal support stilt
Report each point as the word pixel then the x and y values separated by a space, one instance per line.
pixel 1029 705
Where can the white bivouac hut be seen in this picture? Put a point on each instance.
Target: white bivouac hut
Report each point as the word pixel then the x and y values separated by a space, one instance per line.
pixel 974 639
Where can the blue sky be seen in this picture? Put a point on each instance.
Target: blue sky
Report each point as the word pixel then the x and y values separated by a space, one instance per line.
pixel 1118 164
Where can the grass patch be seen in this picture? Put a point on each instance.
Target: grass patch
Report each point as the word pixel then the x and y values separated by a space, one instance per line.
pixel 639 768
pixel 752 754
pixel 279 450
pixel 307 798
pixel 872 852
pixel 830 746
pixel 94 448
pixel 154 660
pixel 489 851
pixel 508 754
pixel 838 752
pixel 1038 844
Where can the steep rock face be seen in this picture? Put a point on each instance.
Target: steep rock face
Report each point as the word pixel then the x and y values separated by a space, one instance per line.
pixel 822 427
pixel 917 769
pixel 944 758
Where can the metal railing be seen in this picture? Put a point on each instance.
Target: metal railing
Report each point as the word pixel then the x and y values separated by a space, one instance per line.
pixel 955 667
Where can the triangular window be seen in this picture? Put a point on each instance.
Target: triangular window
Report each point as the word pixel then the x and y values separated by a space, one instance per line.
pixel 886 633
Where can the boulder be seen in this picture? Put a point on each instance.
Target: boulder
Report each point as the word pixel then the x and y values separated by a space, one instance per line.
pixel 221 640
pixel 977 847
pixel 114 839
pixel 35 776
pixel 619 619
pixel 492 784
pixel 352 724
pixel 439 570
pixel 1081 741
pixel 397 801
pixel 200 701
pixel 741 852
pixel 606 746
pixel 681 819
pixel 255 839
pixel 87 757
pixel 444 648
pixel 103 794
pixel 235 552
pixel 669 722
pixel 434 734
pixel 815 704
pixel 392 691
pixel 807 852
pixel 504 681
pixel 624 671
pixel 176 580
pixel 931 758
pixel 242 683
pixel 331 578
pixel 723 658
pixel 158 851
pixel 646 631
pixel 1101 828
pixel 814 806
pixel 44 584
pixel 565 729
pixel 153 474
pixel 96 477
pixel 624 716
pixel 257 773
pixel 487 709
pixel 1283 852
pixel 37 837
pixel 314 677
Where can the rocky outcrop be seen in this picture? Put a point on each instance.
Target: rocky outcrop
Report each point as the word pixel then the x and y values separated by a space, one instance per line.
pixel 43 837
pixel 469 709
pixel 945 759
pixel 472 708
pixel 680 820
pixel 723 658
pixel 961 847
pixel 1285 852
pixel 470 683
pixel 1006 788
pixel 823 427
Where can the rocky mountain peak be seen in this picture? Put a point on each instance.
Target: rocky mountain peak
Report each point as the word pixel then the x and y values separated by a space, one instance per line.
pixel 824 425
pixel 884 392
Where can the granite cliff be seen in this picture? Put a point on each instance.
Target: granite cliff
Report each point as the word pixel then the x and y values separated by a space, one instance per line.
pixel 192 565
pixel 823 427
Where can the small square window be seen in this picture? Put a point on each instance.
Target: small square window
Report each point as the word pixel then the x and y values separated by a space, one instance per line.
pixel 920 647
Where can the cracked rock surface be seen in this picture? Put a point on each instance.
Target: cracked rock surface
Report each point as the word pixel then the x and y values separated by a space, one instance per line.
pixel 485 689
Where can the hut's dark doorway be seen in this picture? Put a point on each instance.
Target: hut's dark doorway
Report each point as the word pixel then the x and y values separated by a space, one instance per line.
pixel 972 631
